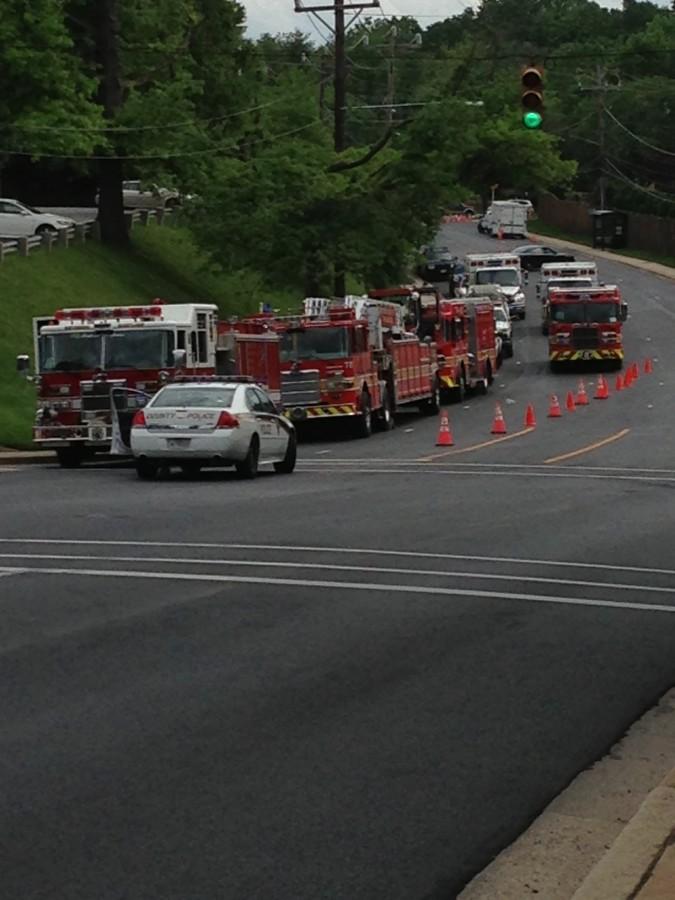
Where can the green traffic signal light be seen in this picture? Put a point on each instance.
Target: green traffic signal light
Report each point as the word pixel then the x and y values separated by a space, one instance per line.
pixel 532 120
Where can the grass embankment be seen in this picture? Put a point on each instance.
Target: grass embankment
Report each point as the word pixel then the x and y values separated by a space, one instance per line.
pixel 161 262
pixel 536 226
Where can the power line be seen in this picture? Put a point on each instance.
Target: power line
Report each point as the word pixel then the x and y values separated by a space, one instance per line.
pixel 138 128
pixel 617 174
pixel 637 136
pixel 176 155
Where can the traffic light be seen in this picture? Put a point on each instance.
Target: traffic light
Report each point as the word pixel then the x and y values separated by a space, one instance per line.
pixel 532 96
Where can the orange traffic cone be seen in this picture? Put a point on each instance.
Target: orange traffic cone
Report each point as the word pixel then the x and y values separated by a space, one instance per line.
pixel 569 403
pixel 530 418
pixel 554 411
pixel 582 396
pixel 628 378
pixel 619 383
pixel 498 425
pixel 649 367
pixel 500 233
pixel 444 438
pixel 635 372
pixel 602 390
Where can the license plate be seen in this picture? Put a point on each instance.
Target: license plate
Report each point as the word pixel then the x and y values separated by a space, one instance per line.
pixel 176 443
pixel 587 354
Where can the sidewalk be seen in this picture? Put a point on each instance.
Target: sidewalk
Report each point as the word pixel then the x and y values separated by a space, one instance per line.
pixel 610 835
pixel 12 457
pixel 644 264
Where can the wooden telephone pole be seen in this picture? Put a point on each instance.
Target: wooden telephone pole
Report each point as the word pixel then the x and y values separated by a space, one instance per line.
pixel 339 30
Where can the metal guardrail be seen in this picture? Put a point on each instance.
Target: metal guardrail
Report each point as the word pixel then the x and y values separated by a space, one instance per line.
pixel 75 234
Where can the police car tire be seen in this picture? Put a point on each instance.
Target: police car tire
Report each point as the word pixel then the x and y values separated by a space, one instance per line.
pixel 287 464
pixel 248 467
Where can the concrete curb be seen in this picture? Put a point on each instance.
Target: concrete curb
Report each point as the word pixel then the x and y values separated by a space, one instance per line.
pixel 644 264
pixel 627 865
pixel 25 457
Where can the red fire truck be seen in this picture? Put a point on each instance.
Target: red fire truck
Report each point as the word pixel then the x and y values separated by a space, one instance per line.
pixel 585 324
pixel 463 330
pixel 351 359
pixel 82 355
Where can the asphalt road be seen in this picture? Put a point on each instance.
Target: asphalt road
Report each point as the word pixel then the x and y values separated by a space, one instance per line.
pixel 358 682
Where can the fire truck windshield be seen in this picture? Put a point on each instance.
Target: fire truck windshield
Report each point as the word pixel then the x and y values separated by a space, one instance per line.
pixel 141 349
pixel 315 343
pixel 70 352
pixel 600 312
pixel 506 277
pixel 80 351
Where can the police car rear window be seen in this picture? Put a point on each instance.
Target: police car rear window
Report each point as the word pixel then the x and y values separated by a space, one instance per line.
pixel 200 397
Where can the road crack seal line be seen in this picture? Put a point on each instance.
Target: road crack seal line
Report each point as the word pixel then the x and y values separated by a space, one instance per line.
pixel 589 448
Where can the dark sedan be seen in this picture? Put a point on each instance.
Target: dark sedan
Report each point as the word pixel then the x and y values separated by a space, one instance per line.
pixel 439 266
pixel 533 256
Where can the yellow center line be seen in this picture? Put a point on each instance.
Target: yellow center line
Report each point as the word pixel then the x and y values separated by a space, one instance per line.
pixel 589 448
pixel 497 440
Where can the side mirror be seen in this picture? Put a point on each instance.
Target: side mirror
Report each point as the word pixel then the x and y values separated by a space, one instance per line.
pixel 623 312
pixel 179 358
pixel 23 364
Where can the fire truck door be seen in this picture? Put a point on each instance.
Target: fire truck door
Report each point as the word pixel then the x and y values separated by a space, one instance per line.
pixel 124 405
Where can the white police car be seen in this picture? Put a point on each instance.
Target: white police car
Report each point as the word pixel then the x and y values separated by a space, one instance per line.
pixel 213 422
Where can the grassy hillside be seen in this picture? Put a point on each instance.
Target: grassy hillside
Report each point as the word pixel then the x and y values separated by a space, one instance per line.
pixel 163 262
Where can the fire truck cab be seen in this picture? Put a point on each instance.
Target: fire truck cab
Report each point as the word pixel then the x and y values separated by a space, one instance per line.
pixel 82 355
pixel 585 324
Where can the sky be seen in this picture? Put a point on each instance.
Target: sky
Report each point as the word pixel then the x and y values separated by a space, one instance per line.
pixel 278 15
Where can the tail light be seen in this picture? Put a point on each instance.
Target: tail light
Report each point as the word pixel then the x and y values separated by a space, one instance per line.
pixel 138 420
pixel 227 420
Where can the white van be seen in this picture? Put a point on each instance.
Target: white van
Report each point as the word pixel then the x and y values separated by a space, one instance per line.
pixel 505 217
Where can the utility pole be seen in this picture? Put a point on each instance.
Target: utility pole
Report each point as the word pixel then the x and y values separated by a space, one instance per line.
pixel 111 206
pixel 339 30
pixel 600 86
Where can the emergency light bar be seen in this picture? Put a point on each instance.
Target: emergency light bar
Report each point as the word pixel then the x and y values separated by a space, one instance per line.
pixel 500 262
pixel 118 312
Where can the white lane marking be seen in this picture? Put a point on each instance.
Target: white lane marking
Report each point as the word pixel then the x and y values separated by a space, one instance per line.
pixel 356 551
pixel 435 470
pixel 7 571
pixel 383 570
pixel 9 468
pixel 355 586
pixel 500 465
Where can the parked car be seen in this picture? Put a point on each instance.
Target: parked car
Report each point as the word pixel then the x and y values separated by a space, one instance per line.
pixel 211 423
pixel 18 220
pixel 533 256
pixel 440 265
pixel 135 196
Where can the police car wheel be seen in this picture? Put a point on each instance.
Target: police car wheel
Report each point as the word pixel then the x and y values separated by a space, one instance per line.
pixel 248 467
pixel 287 464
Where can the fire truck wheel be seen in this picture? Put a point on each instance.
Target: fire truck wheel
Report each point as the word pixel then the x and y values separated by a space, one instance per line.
pixel 69 457
pixel 147 469
pixel 384 417
pixel 433 404
pixel 364 422
pixel 457 394
pixel 287 464
pixel 248 467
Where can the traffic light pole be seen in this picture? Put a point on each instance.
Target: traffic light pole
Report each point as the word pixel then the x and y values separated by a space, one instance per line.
pixel 600 87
